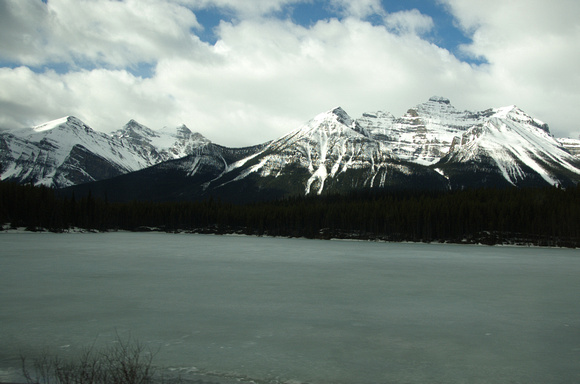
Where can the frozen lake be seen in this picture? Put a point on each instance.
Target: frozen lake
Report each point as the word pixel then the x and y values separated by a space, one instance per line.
pixel 276 310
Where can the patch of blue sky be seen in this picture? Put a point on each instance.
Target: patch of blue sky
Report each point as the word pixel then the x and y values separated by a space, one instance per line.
pixel 446 33
pixel 143 69
pixel 304 13
pixel 308 13
pixel 59 68
pixel 210 19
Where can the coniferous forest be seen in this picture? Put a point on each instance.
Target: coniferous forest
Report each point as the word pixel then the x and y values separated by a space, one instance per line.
pixel 547 216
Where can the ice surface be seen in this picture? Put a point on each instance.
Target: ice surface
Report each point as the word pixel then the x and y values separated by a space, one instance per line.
pixel 275 310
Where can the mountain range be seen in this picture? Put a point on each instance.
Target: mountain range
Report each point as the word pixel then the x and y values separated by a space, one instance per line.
pixel 433 146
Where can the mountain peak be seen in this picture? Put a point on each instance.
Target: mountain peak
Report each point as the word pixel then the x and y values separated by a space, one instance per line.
pixel 336 114
pixel 132 124
pixel 67 120
pixel 439 99
pixel 342 116
pixel 183 128
pixel 339 111
pixel 50 125
pixel 516 114
pixel 179 130
pixel 136 130
pixel 436 106
pixel 74 120
pixel 506 111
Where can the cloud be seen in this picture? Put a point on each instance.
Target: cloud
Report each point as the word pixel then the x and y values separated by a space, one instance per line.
pixel 532 50
pixel 105 99
pixel 114 34
pixel 266 75
pixel 262 79
pixel 242 9
pixel 22 25
pixel 359 8
pixel 269 77
pixel 409 22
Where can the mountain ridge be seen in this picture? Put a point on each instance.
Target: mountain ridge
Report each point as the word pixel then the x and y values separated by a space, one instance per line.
pixel 48 154
pixel 432 146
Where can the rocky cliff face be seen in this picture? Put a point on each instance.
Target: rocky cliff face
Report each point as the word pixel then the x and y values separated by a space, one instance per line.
pixel 571 145
pixel 425 133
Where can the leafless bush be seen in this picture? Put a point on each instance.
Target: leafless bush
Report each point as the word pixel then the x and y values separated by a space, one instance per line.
pixel 125 362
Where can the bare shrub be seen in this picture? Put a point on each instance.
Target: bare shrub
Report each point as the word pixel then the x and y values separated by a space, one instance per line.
pixel 125 362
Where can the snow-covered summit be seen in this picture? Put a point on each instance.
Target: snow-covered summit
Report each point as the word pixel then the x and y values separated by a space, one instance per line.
pixel 334 124
pixel 64 152
pixel 514 113
pixel 55 123
pixel 341 116
pixel 329 120
pixel 438 112
pixel 332 146
pixel 432 143
pixel 181 132
pixel 165 144
pixel 67 151
pixel 518 146
pixel 52 128
pixel 328 145
pixel 424 133
pixel 135 129
pixel 439 99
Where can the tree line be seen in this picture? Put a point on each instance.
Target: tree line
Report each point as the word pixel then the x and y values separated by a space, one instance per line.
pixel 542 216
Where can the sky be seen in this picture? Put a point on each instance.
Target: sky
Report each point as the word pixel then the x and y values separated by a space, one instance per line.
pixel 242 72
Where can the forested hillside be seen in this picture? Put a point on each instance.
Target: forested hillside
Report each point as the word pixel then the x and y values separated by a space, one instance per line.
pixel 547 216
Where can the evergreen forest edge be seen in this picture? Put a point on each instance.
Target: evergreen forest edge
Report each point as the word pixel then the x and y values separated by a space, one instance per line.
pixel 547 216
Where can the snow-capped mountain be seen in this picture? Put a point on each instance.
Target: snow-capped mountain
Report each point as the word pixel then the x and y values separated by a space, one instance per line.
pixel 509 146
pixel 332 152
pixel 571 145
pixel 67 152
pixel 162 145
pixel 186 178
pixel 424 134
pixel 330 143
pixel 432 146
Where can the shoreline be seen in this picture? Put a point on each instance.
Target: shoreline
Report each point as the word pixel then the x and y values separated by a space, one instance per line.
pixel 482 239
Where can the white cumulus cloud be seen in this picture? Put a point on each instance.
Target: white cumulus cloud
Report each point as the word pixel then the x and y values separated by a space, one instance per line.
pixel 409 22
pixel 265 74
pixel 533 52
